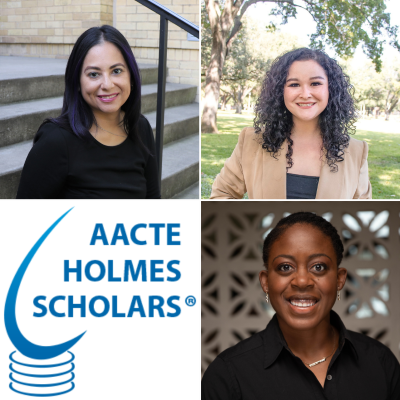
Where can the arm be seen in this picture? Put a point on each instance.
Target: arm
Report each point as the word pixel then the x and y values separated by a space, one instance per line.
pixel 151 171
pixel 364 189
pixel 46 167
pixel 229 183
pixel 217 383
pixel 392 372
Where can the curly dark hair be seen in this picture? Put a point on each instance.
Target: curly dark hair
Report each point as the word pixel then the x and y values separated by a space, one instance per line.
pixel 274 121
pixel 309 218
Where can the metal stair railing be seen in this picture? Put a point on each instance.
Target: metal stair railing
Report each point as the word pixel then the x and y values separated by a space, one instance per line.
pixel 165 16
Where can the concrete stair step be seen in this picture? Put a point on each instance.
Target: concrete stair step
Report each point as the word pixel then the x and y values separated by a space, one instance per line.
pixel 180 166
pixel 192 192
pixel 12 159
pixel 176 94
pixel 20 121
pixel 179 122
pixel 27 78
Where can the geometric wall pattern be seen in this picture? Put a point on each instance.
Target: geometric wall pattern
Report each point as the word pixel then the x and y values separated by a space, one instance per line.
pixel 233 303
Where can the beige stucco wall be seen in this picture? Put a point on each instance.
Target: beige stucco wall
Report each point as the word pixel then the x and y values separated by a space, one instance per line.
pixel 49 28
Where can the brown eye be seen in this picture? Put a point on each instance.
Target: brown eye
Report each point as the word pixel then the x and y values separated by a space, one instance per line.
pixel 285 268
pixel 319 267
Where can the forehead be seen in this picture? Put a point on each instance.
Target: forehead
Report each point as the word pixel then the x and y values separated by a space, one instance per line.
pixel 304 70
pixel 302 240
pixel 103 55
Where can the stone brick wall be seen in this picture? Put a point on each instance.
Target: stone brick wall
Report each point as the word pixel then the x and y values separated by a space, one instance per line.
pixel 48 22
pixel 49 28
pixel 141 27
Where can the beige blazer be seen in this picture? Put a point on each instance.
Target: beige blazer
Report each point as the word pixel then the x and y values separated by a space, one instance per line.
pixel 253 170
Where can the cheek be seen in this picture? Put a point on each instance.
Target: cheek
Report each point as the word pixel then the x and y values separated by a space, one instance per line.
pixel 324 96
pixel 288 97
pixel 88 87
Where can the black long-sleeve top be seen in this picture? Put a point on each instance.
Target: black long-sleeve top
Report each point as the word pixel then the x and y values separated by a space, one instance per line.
pixel 61 165
pixel 263 368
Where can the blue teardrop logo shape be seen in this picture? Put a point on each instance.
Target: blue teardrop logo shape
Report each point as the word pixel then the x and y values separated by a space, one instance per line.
pixel 23 345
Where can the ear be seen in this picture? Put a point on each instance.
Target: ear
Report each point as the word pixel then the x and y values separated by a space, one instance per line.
pixel 341 278
pixel 263 277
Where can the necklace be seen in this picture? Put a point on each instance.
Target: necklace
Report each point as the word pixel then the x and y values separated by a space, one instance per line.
pixel 110 132
pixel 323 359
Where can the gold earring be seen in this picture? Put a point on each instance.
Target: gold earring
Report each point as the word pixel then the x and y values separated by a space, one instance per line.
pixel 266 297
pixel 338 295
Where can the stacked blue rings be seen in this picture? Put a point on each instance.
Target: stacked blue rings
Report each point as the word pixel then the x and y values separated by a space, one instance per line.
pixel 42 380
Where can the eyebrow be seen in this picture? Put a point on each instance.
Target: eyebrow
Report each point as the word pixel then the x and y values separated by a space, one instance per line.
pixel 309 257
pixel 98 69
pixel 313 77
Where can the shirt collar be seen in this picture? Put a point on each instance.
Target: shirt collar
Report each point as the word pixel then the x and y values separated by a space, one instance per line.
pixel 274 342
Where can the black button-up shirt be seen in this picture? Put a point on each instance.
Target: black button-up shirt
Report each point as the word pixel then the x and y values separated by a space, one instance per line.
pixel 262 367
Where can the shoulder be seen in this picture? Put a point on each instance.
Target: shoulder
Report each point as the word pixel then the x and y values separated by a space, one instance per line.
pixel 358 149
pixel 52 133
pixel 145 132
pixel 144 126
pixel 249 143
pixel 243 348
pixel 219 380
pixel 249 135
pixel 372 348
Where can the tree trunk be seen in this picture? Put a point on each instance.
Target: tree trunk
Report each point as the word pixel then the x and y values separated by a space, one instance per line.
pixel 221 25
pixel 223 102
pixel 239 104
pixel 213 83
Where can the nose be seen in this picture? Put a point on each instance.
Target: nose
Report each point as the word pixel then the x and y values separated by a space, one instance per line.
pixel 305 92
pixel 107 82
pixel 302 279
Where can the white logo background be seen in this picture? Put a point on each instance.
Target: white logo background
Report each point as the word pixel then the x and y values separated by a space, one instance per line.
pixel 117 358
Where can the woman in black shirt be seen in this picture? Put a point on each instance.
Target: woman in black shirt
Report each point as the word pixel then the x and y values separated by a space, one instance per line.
pixel 305 352
pixel 100 146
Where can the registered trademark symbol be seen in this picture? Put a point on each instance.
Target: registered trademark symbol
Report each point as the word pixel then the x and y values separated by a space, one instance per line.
pixel 190 301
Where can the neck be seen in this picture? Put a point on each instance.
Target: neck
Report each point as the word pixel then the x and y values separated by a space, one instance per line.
pixel 305 130
pixel 109 121
pixel 310 344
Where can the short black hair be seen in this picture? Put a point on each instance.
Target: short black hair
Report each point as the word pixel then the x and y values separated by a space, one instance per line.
pixel 309 218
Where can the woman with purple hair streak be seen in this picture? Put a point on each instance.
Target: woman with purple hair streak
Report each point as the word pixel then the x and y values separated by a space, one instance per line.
pixel 100 146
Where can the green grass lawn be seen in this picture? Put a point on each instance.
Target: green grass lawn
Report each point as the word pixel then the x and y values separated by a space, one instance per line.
pixel 383 157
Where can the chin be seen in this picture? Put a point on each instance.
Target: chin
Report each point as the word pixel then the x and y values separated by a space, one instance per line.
pixel 302 323
pixel 307 118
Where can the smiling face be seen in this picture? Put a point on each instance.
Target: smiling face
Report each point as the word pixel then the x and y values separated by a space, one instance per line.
pixel 306 91
pixel 302 277
pixel 105 79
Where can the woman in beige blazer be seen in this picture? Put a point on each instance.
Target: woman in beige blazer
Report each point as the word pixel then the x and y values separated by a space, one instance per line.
pixel 300 146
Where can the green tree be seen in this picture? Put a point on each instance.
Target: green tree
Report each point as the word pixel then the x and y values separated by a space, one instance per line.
pixel 366 82
pixel 373 89
pixel 391 87
pixel 250 56
pixel 342 24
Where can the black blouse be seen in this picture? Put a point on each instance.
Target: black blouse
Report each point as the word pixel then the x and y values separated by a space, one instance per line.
pixel 61 165
pixel 263 368
pixel 301 186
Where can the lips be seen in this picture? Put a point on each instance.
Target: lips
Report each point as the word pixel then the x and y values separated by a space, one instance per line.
pixel 108 96
pixel 303 301
pixel 305 105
